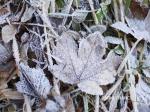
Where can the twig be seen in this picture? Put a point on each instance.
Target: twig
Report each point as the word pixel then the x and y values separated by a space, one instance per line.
pixel 27 104
pixel 16 51
pixel 96 103
pixel 52 6
pixel 127 57
pixel 103 107
pixel 131 76
pixel 85 100
pixel 67 10
pixel 46 20
pixel 116 10
pixel 111 90
pixel 93 12
pixel 121 10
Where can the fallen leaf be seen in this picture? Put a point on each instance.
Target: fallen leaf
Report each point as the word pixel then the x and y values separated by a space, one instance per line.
pixel 8 33
pixel 84 63
pixel 33 82
pixel 138 28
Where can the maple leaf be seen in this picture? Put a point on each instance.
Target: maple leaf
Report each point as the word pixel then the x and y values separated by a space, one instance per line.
pixel 33 82
pixel 84 64
pixel 137 28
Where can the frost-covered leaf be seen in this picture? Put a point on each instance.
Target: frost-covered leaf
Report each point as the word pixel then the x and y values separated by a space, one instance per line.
pixel 138 28
pixel 27 14
pixel 4 54
pixel 79 15
pixel 122 26
pixel 90 87
pixel 8 33
pixel 143 95
pixel 84 63
pixel 33 82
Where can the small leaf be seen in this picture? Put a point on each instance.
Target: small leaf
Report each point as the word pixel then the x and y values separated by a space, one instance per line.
pixel 90 87
pixel 33 82
pixel 8 33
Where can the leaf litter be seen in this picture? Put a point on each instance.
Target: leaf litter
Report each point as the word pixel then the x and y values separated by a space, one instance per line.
pixel 72 56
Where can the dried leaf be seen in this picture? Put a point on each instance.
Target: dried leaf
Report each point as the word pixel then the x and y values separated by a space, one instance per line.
pixel 33 82
pixel 84 63
pixel 8 33
pixel 10 94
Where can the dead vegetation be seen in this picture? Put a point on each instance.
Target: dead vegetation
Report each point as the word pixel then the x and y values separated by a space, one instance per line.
pixel 74 56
